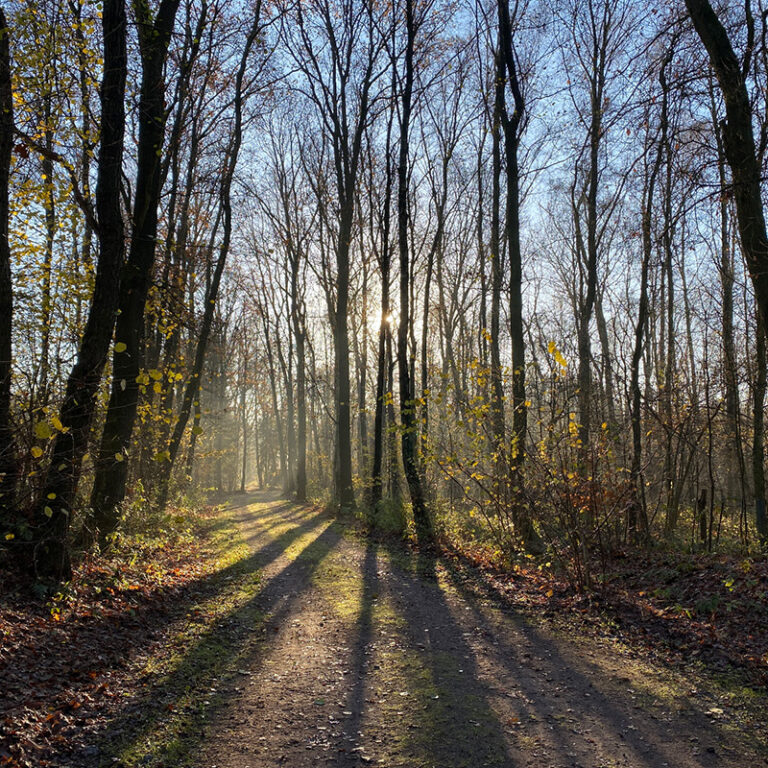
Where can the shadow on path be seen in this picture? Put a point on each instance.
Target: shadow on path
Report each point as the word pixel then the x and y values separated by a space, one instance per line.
pixel 432 673
pixel 181 700
pixel 569 695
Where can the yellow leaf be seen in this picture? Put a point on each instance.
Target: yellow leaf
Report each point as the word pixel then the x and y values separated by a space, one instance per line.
pixel 550 593
pixel 51 496
pixel 118 457
pixel 121 346
pixel 42 430
pixel 158 387
pixel 48 512
pixel 36 451
pixel 56 421
pixel 9 536
pixel 155 374
pixel 555 352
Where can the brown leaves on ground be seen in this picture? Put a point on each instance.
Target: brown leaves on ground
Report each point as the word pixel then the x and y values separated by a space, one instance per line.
pixel 709 606
pixel 65 659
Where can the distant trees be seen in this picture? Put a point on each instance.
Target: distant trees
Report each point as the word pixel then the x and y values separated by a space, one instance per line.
pixel 337 48
pixel 484 270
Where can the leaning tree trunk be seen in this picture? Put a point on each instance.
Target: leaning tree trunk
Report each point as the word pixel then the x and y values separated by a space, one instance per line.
pixel 739 145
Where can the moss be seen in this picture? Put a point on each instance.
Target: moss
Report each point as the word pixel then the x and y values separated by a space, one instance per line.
pixel 341 587
pixel 300 546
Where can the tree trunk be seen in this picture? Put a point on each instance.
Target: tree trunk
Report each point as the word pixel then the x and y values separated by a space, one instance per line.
pixel 739 145
pixel 8 466
pixel 301 414
pixel 384 330
pixel 79 405
pixel 758 437
pixel 637 506
pixel 112 464
pixel 497 385
pixel 511 123
pixel 409 438
pixel 244 423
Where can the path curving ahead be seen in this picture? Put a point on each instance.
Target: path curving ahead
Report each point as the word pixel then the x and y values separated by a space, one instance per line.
pixel 373 656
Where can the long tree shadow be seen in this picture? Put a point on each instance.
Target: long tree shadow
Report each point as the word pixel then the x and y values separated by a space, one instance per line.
pixel 534 663
pixel 179 702
pixel 444 717
pixel 122 628
pixel 104 639
pixel 361 657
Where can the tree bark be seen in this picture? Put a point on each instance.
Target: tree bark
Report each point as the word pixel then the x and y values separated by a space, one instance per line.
pixel 739 145
pixel 112 464
pixel 637 506
pixel 758 437
pixel 8 465
pixel 512 125
pixel 497 385
pixel 409 437
pixel 79 405
pixel 385 260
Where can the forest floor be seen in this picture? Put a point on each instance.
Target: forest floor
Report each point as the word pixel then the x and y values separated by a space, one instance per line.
pixel 312 645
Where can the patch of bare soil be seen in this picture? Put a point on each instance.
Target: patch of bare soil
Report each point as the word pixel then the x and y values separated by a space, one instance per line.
pixel 372 655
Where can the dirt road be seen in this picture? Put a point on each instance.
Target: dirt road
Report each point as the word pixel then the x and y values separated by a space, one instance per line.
pixel 373 656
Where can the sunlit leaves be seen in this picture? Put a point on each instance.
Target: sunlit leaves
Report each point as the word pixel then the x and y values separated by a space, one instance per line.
pixel 557 356
pixel 43 430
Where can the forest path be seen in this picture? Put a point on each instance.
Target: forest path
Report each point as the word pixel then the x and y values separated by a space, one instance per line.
pixel 371 655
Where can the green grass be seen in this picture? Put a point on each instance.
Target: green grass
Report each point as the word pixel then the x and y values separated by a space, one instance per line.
pixel 180 681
